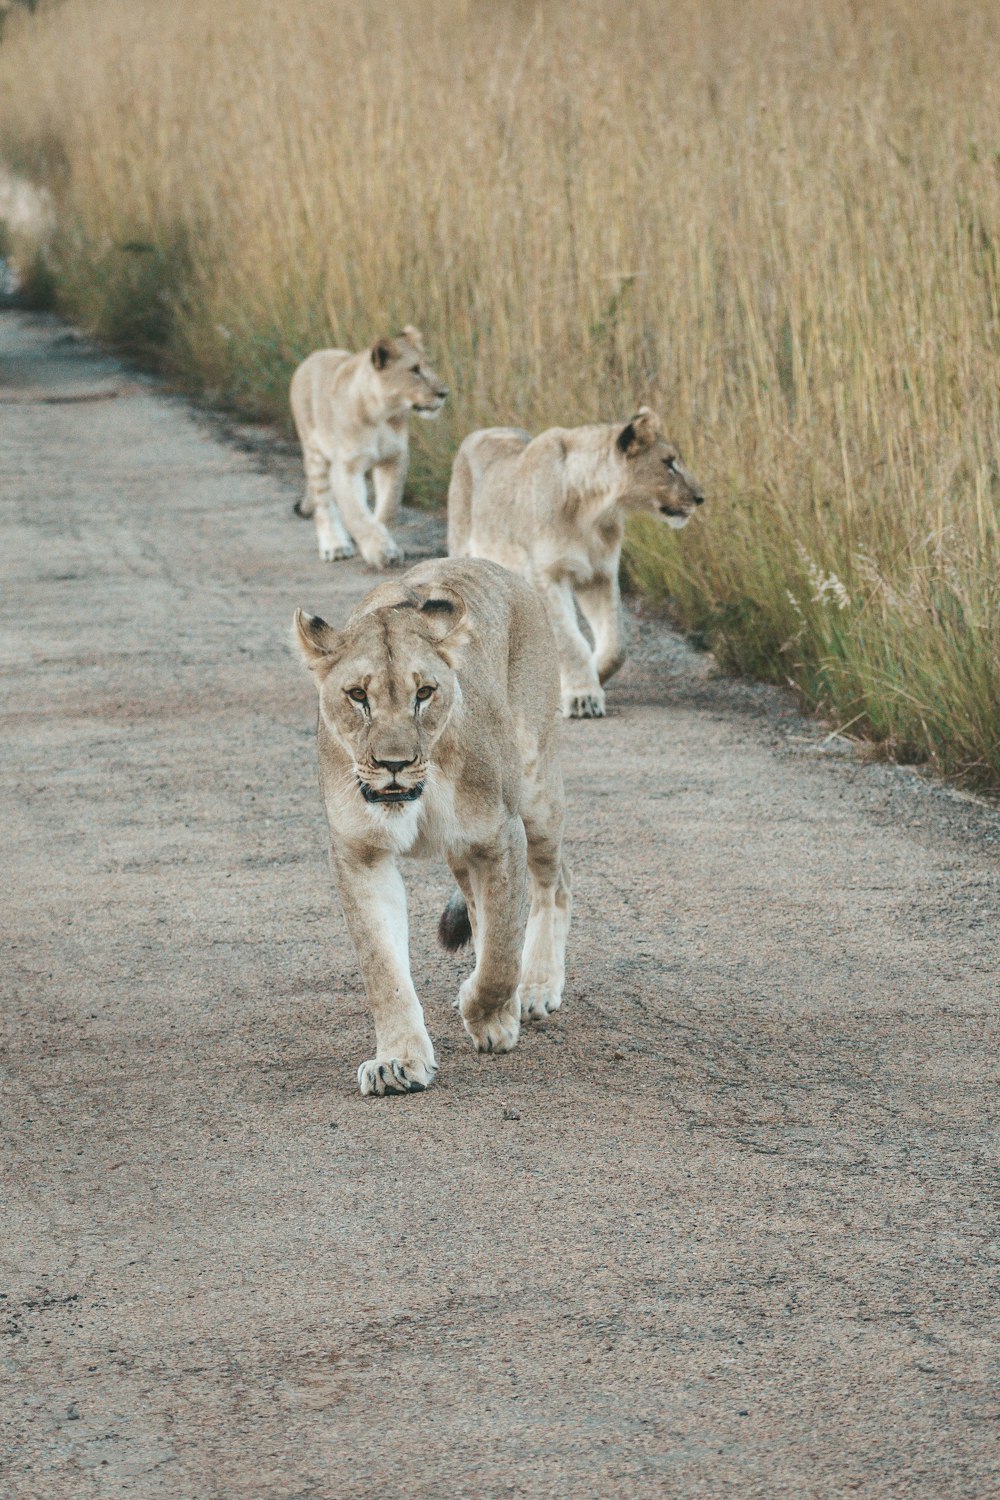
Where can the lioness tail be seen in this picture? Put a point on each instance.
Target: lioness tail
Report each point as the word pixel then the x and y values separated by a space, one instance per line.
pixel 454 928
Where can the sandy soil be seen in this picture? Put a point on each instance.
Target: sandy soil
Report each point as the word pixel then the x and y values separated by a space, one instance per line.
pixel 740 1237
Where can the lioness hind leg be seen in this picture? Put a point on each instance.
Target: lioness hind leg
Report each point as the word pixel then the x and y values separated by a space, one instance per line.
pixel 543 963
pixel 488 1000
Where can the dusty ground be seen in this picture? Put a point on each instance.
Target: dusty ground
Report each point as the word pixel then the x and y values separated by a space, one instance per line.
pixel 743 1237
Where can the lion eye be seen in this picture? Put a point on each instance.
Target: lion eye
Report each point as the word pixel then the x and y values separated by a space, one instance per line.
pixel 671 465
pixel 358 695
pixel 416 370
pixel 425 692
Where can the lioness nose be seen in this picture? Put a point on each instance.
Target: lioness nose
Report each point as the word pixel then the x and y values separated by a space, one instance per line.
pixel 442 391
pixel 394 765
pixel 698 499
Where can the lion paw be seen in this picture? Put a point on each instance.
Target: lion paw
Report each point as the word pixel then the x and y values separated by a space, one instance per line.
pixel 588 704
pixel 384 552
pixel 331 551
pixel 393 1075
pixel 539 1000
pixel 494 1030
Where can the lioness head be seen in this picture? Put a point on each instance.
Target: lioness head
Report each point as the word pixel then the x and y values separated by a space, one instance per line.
pixel 387 685
pixel 655 479
pixel 404 374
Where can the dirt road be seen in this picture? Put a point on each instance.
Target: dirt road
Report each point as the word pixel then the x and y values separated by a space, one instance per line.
pixel 742 1238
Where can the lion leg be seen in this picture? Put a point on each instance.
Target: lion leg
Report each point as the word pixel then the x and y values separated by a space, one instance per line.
pixel 600 601
pixel 389 480
pixel 334 542
pixel 582 694
pixel 374 902
pixel 488 1000
pixel 543 965
pixel 378 548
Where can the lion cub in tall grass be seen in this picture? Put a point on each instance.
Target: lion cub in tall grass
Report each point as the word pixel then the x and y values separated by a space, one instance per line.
pixel 350 413
pixel 553 509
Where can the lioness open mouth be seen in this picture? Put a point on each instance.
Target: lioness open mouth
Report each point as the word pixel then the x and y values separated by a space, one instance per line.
pixel 390 794
pixel 675 519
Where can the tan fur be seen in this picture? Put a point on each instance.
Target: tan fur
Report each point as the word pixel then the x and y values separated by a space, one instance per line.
pixel 553 509
pixel 443 685
pixel 350 413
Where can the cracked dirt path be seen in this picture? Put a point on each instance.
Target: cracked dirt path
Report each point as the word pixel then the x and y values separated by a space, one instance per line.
pixel 742 1238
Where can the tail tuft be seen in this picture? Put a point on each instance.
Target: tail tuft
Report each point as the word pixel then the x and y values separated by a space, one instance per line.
pixel 454 928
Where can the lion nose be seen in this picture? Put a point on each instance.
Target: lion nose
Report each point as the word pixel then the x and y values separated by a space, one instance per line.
pixel 442 391
pixel 393 766
pixel 698 499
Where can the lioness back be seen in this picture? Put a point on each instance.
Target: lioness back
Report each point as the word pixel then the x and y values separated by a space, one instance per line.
pixel 313 382
pixel 485 462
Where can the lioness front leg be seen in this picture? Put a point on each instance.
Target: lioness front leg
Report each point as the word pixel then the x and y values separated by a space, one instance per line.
pixel 581 693
pixel 600 601
pixel 389 480
pixel 374 902
pixel 378 548
pixel 488 1000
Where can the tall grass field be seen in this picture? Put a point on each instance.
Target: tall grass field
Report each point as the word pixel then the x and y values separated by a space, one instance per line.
pixel 777 223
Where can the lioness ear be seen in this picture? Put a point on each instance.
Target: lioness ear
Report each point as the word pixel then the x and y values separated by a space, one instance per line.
pixel 413 336
pixel 446 615
pixel 641 432
pixel 316 640
pixel 383 353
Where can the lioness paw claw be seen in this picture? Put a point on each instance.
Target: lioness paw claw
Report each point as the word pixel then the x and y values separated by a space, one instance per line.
pixel 538 1000
pixel 394 1076
pixel 336 551
pixel 586 705
pixel 496 1032
pixel 387 554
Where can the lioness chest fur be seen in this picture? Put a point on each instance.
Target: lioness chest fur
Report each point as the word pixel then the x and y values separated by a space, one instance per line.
pixel 553 509
pixel 438 734
pixel 351 413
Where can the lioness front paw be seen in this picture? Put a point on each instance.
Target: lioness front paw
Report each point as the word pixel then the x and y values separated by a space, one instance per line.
pixel 382 552
pixel 333 551
pixel 539 1000
pixel 492 1031
pixel 394 1075
pixel 585 704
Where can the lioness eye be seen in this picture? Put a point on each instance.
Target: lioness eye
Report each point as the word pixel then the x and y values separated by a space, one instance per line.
pixel 671 465
pixel 416 370
pixel 358 695
pixel 425 692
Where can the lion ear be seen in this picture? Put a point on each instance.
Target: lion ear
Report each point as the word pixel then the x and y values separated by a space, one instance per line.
pixel 639 433
pixel 445 614
pixel 316 640
pixel 383 353
pixel 413 336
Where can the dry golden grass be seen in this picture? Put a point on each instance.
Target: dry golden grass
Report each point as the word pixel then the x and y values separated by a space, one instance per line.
pixel 779 224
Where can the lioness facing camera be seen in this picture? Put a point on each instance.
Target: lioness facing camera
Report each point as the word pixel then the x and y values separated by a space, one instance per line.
pixel 438 734
pixel 350 413
pixel 553 509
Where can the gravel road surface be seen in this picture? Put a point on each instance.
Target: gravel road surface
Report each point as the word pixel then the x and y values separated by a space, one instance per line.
pixel 725 1226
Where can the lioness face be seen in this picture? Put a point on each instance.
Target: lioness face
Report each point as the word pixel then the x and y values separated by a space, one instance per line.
pixel 386 695
pixel 404 373
pixel 656 481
